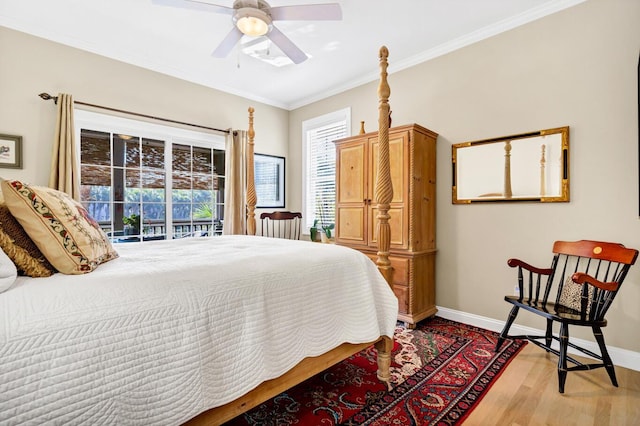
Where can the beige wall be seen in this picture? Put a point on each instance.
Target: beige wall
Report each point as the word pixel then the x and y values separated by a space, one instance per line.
pixel 575 68
pixel 30 65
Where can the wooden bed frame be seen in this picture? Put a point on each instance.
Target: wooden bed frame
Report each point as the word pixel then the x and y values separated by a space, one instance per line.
pixel 311 366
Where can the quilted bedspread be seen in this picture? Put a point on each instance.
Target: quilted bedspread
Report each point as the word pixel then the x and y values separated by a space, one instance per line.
pixel 172 328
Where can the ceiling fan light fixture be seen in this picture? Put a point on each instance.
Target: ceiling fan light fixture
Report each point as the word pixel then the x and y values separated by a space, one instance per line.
pixel 252 22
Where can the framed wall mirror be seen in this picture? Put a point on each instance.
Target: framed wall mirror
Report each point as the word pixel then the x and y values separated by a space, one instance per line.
pixel 526 167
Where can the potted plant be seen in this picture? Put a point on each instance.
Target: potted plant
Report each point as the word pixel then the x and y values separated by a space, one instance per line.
pixel 313 231
pixel 325 236
pixel 131 224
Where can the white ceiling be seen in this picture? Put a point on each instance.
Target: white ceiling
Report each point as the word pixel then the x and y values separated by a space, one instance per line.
pixel 343 53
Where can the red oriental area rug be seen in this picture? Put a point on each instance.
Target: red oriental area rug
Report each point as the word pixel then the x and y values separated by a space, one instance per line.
pixel 440 372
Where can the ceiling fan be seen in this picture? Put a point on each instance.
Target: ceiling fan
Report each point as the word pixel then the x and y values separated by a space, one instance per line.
pixel 255 18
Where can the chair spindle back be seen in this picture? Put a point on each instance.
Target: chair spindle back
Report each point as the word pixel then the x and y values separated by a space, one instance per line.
pixel 281 224
pixel 606 262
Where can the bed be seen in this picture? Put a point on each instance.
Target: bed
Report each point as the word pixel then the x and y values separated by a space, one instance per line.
pixel 151 337
pixel 145 338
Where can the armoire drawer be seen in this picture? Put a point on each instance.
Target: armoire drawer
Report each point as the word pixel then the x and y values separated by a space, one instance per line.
pixel 400 267
pixel 402 293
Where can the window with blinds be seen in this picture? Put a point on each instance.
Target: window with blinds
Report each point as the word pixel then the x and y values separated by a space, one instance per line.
pixel 142 181
pixel 319 187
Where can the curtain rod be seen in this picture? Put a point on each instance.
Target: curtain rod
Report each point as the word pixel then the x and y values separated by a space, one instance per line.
pixel 46 97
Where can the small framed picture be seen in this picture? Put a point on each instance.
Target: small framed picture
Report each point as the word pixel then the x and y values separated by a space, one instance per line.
pixel 10 151
pixel 269 177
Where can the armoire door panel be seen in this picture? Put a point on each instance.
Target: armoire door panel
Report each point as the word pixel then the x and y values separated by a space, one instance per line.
pixel 397 156
pixel 352 225
pixel 352 183
pixel 396 222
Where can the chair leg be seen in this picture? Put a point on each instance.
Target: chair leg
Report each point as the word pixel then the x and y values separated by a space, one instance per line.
pixel 608 364
pixel 548 336
pixel 562 358
pixel 505 331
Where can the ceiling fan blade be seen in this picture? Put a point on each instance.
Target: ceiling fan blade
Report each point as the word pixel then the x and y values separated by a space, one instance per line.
pixel 195 5
pixel 307 12
pixel 228 43
pixel 288 48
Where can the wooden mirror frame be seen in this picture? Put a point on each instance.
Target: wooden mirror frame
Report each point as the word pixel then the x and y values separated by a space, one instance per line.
pixel 525 167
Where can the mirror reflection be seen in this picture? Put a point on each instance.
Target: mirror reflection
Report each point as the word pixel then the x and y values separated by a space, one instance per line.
pixel 526 167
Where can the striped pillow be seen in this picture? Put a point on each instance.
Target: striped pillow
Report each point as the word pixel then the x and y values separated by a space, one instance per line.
pixel 24 253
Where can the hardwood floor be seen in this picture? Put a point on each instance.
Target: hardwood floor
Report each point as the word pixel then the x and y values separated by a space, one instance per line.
pixel 527 394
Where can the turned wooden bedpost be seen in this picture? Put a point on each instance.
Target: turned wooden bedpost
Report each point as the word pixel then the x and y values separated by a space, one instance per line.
pixel 384 189
pixel 384 346
pixel 507 170
pixel 251 185
pixel 543 162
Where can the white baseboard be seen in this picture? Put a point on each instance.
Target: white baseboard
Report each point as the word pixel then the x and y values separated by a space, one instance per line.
pixel 622 357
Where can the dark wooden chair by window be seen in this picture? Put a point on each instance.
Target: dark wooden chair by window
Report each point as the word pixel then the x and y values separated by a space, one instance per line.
pixel 577 289
pixel 281 224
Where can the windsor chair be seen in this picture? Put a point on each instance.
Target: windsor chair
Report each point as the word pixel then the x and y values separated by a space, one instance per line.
pixel 577 289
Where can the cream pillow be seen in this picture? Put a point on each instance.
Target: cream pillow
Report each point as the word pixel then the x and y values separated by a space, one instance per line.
pixel 8 272
pixel 61 228
pixel 571 296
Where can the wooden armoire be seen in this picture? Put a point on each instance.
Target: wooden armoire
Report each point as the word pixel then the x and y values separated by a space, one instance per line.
pixel 412 156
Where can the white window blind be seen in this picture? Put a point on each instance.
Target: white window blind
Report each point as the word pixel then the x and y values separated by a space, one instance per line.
pixel 320 175
pixel 266 178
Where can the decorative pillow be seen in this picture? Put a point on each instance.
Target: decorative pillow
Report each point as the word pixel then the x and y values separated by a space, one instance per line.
pixel 61 228
pixel 8 272
pixel 571 296
pixel 21 250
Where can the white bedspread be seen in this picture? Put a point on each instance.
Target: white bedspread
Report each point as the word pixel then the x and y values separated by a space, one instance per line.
pixel 172 328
